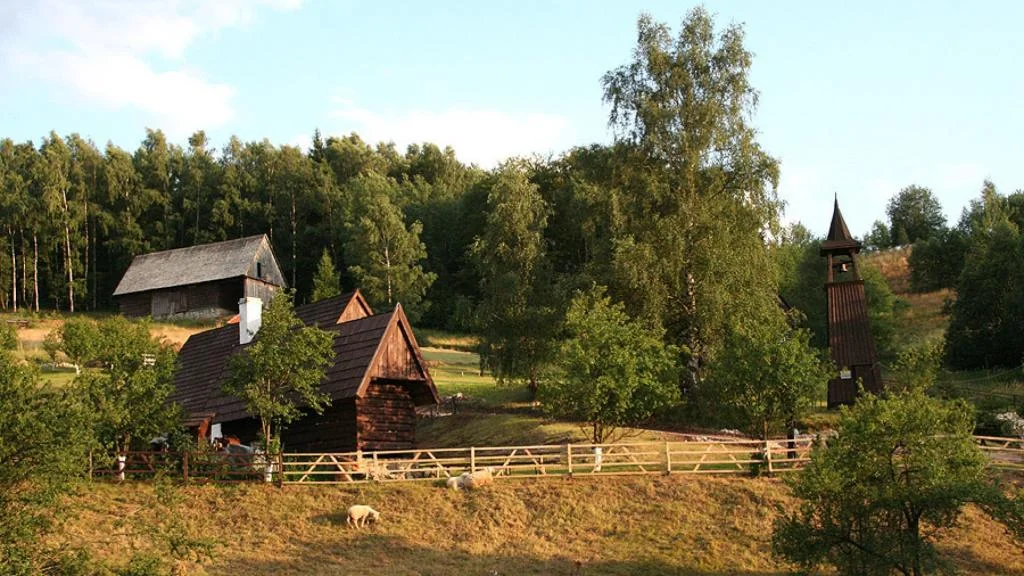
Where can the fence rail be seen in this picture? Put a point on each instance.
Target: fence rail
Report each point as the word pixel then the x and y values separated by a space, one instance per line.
pixel 712 457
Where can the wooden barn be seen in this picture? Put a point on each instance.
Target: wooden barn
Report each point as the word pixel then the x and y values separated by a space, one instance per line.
pixel 203 281
pixel 376 381
pixel 849 328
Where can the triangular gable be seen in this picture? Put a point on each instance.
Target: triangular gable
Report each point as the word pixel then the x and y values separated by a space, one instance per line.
pixel 398 357
pixel 356 308
pixel 264 266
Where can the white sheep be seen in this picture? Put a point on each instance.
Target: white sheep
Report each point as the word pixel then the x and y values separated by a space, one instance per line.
pixel 479 479
pixel 458 482
pixel 358 514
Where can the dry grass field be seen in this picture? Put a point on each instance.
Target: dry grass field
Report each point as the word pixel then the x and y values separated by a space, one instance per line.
pixel 620 526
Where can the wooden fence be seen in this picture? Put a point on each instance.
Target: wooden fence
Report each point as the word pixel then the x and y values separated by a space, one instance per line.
pixel 712 457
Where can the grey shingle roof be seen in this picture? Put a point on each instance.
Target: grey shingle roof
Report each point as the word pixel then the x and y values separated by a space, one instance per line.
pixel 196 264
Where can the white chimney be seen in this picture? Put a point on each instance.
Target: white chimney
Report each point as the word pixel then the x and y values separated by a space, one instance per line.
pixel 250 317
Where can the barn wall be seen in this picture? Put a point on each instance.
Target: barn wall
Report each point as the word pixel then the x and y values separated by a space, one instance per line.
pixel 386 417
pixel 135 305
pixel 205 300
pixel 254 288
pixel 332 431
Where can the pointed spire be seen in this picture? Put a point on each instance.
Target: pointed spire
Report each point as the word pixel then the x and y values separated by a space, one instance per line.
pixel 839 236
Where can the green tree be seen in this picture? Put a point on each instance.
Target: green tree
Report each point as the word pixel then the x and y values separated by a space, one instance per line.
pixel 78 338
pixel 936 263
pixel 8 337
pixel 693 191
pixel 878 238
pixel 129 394
pixel 516 312
pixel 610 371
pixel 916 213
pixel 917 367
pixel 767 374
pixel 385 254
pixel 278 375
pixel 326 283
pixel 988 314
pixel 43 451
pixel 874 495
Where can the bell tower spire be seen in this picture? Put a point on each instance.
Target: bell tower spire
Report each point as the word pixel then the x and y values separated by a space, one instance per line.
pixel 849 331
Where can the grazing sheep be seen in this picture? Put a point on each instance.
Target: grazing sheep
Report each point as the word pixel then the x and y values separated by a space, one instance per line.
pixel 479 479
pixel 458 482
pixel 358 514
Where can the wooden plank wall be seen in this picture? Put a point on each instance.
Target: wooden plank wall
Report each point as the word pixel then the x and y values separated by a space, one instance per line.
pixel 386 417
pixel 397 360
pixel 135 305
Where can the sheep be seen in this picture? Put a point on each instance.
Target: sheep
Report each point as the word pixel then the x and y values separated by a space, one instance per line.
pixel 458 482
pixel 358 514
pixel 479 479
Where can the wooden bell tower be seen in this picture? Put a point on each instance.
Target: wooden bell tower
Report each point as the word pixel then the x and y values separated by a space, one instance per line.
pixel 849 331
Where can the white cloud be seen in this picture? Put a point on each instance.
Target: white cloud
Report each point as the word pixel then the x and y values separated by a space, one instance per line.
pixel 478 135
pixel 128 53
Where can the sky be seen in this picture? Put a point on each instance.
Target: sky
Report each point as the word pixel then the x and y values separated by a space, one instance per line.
pixel 856 99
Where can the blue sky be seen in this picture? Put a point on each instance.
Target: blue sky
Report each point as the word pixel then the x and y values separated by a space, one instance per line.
pixel 858 99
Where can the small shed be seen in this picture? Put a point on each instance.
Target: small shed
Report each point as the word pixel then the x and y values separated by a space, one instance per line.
pixel 376 380
pixel 204 281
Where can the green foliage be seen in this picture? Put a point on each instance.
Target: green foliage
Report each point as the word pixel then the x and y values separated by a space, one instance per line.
pixel 879 237
pixel 873 496
pixel 988 313
pixel 688 191
pixel 78 338
pixel 8 337
pixel 610 371
pixel 385 255
pixel 278 375
pixel 43 450
pixel 326 283
pixel 916 368
pixel 516 312
pixel 914 214
pixel 128 395
pixel 936 263
pixel 767 375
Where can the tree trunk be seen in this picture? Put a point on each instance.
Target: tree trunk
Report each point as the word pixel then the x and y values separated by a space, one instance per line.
pixel 14 272
pixel 67 252
pixel 24 269
pixel 387 268
pixel 35 268
pixel 533 385
pixel 294 258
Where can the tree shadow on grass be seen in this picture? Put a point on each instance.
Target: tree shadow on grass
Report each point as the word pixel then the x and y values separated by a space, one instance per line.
pixel 372 553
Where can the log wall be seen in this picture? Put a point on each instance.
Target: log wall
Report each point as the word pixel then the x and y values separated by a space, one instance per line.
pixel 386 417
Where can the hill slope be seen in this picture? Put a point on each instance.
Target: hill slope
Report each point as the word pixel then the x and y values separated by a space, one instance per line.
pixel 620 526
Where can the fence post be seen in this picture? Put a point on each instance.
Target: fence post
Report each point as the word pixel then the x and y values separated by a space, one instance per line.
pixel 568 452
pixel 280 469
pixel 472 458
pixel 668 460
pixel 184 465
pixel 768 454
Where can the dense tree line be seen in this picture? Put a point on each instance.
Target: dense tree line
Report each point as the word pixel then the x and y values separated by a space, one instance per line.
pixel 73 216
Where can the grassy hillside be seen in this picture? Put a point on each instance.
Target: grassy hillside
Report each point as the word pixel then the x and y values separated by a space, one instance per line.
pixel 621 526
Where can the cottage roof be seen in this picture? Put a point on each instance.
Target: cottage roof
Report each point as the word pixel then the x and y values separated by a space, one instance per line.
pixel 360 350
pixel 839 237
pixel 203 263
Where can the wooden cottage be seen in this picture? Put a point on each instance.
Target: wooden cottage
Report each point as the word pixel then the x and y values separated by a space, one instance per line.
pixel 203 281
pixel 376 381
pixel 849 329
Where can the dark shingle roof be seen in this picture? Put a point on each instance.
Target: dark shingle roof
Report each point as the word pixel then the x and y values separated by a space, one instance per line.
pixel 195 264
pixel 204 360
pixel 839 236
